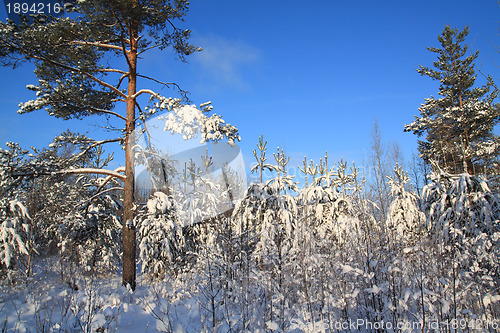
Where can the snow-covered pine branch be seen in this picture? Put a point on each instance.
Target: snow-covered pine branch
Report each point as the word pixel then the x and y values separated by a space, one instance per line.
pixel 459 203
pixel 189 120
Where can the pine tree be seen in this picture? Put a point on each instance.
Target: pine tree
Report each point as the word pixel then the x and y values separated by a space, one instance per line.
pixel 459 124
pixel 83 59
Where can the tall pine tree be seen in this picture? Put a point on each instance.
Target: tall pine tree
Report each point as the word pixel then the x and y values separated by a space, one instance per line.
pixel 458 125
pixel 87 64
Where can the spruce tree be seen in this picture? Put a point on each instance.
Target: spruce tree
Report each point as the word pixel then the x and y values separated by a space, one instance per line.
pixel 458 125
pixel 87 64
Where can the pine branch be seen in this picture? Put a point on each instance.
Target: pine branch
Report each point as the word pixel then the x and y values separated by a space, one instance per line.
pixel 30 55
pixel 98 44
pixel 144 91
pixel 76 70
pixel 112 70
pixel 114 174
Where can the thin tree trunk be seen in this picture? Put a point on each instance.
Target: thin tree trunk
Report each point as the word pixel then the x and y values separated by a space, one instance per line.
pixel 129 246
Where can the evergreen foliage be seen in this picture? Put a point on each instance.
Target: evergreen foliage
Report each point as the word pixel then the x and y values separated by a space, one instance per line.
pixel 83 59
pixel 459 124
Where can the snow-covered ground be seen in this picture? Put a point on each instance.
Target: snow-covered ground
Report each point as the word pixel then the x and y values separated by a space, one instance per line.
pixel 48 304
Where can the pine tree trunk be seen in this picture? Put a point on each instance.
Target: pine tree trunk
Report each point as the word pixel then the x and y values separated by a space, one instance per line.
pixel 470 167
pixel 129 246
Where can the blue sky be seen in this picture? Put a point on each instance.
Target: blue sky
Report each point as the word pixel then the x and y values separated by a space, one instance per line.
pixel 309 76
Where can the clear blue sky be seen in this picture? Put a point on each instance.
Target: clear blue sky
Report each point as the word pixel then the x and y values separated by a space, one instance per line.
pixel 309 76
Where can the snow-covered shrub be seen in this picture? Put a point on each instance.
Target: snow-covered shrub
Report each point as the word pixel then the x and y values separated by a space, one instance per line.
pixel 102 250
pixel 463 219
pixel 322 205
pixel 247 217
pixel 405 220
pixel 77 214
pixel 14 232
pixel 15 221
pixel 160 236
pixel 270 213
pixel 200 202
pixel 91 235
pixel 459 206
pixel 318 231
pixel 279 214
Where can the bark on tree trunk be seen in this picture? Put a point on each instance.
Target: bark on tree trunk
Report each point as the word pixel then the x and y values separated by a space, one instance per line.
pixel 129 246
pixel 470 167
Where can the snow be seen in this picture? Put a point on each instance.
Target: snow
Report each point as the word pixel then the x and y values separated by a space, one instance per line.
pixel 188 120
pixel 373 290
pixel 288 259
pixel 97 306
pixel 488 299
pixel 272 325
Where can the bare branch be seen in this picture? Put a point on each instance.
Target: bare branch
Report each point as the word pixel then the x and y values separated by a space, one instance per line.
pixel 183 92
pixel 144 91
pixel 91 171
pixel 95 144
pixel 143 118
pixel 99 193
pixel 123 40
pixel 148 48
pixel 109 112
pixel 112 70
pixel 124 76
pixel 98 44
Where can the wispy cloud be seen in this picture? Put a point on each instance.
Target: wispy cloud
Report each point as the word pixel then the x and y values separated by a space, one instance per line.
pixel 224 61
